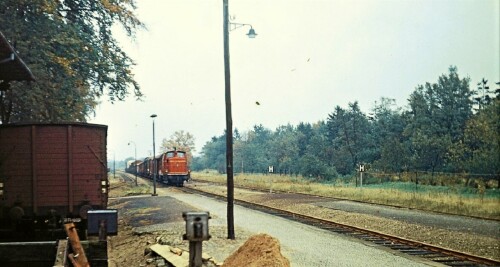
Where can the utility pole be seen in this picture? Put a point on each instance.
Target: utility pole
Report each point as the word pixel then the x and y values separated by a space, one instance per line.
pixel 229 128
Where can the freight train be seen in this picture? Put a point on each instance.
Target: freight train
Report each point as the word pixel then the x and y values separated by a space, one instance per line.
pixel 171 168
pixel 50 174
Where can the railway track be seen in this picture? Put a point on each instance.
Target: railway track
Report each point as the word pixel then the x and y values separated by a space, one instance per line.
pixel 338 198
pixel 127 178
pixel 409 247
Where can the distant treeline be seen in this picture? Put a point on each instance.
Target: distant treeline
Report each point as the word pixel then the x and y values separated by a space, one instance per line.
pixel 446 127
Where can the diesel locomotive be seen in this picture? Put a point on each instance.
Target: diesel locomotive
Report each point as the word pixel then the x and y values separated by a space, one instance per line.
pixel 170 168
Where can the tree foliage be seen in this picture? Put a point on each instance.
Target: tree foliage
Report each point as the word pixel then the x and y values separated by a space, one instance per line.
pixel 179 140
pixel 438 115
pixel 440 130
pixel 70 48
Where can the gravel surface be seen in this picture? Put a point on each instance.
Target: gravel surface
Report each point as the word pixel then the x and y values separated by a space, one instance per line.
pixel 302 244
pixel 450 222
pixel 469 235
pixel 146 220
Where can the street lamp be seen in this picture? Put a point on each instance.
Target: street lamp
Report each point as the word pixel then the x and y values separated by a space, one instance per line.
pixel 229 120
pixel 154 157
pixel 251 33
pixel 114 165
pixel 135 160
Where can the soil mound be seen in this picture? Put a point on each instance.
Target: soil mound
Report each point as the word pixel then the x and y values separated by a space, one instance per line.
pixel 258 251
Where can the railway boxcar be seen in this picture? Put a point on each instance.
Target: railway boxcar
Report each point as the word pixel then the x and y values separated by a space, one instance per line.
pixel 173 167
pixel 149 163
pixel 51 174
pixel 141 168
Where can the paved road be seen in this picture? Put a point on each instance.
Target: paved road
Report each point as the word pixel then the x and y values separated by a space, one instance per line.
pixel 303 245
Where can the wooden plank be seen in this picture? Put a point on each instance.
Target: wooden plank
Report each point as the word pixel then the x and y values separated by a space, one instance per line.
pixel 175 259
pixel 61 254
pixel 78 257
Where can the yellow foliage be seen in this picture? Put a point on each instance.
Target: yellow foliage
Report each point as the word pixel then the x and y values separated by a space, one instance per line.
pixel 110 6
pixel 64 63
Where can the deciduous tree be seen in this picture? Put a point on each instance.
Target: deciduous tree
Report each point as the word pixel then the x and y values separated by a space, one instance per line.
pixel 179 140
pixel 70 48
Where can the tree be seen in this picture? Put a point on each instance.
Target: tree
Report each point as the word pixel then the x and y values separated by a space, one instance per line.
pixel 213 154
pixel 482 140
pixel 283 148
pixel 179 140
pixel 388 127
pixel 350 134
pixel 256 149
pixel 71 51
pixel 483 95
pixel 437 118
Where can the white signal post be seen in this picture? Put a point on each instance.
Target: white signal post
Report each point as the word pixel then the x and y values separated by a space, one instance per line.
pixel 361 171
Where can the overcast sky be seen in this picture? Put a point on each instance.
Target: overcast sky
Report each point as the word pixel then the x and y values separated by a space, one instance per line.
pixel 308 57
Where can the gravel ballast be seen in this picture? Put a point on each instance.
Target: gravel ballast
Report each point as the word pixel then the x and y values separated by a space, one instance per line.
pixel 303 245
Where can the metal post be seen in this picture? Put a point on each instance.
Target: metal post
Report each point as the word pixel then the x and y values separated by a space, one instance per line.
pixel 195 251
pixel 196 233
pixel 135 160
pixel 154 157
pixel 229 127
pixel 135 163
pixel 416 181
pixel 103 230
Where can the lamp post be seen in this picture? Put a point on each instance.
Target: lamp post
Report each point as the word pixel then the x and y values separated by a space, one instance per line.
pixel 229 120
pixel 114 165
pixel 135 160
pixel 154 157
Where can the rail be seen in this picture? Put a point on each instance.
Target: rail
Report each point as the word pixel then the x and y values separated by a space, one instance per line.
pixel 406 246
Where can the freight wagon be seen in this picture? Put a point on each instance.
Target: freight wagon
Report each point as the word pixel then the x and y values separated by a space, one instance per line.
pixel 50 174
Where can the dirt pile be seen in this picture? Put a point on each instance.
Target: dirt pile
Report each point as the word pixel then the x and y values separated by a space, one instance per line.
pixel 258 251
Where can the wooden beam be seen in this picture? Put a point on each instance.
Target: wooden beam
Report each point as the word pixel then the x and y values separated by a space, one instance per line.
pixel 61 254
pixel 78 257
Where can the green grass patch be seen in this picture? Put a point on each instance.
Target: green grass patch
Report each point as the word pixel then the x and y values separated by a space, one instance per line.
pixel 448 199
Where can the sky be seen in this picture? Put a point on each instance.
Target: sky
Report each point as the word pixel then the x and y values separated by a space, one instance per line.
pixel 309 56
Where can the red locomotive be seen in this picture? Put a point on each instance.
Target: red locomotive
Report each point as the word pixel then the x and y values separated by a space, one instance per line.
pixel 173 167
pixel 170 168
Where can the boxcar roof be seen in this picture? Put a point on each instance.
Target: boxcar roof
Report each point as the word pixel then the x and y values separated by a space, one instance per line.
pixel 84 124
pixel 12 67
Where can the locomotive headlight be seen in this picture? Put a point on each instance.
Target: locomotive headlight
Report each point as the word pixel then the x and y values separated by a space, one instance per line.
pixel 1 189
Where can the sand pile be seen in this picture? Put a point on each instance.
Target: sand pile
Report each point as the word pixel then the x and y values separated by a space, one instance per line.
pixel 258 251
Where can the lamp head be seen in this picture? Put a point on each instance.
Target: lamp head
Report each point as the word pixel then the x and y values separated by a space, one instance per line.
pixel 251 33
pixel 153 116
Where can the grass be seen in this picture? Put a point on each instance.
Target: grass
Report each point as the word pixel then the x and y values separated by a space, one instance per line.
pixel 119 188
pixel 447 199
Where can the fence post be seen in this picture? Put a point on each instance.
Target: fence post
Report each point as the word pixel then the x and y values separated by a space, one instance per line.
pixel 416 181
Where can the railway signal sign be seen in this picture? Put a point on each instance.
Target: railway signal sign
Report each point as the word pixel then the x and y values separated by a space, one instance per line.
pixel 361 171
pixel 361 168
pixel 271 169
